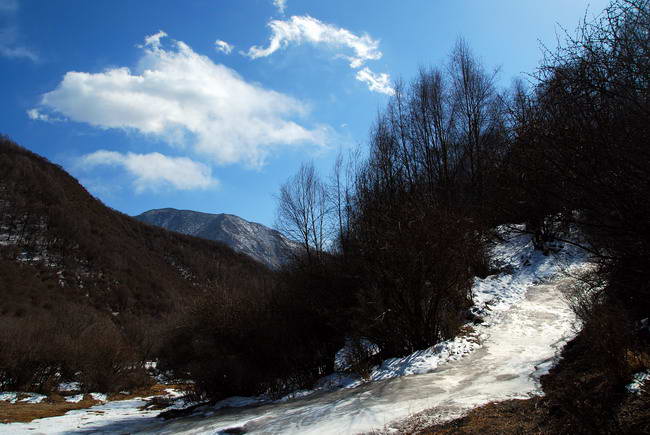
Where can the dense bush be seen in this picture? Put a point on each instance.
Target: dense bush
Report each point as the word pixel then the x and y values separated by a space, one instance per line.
pixel 410 222
pixel 70 343
pixel 251 340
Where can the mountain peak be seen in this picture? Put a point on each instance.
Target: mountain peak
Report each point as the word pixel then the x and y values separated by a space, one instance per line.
pixel 256 240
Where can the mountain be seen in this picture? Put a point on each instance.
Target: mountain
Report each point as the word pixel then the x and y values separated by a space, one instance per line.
pixel 59 245
pixel 256 240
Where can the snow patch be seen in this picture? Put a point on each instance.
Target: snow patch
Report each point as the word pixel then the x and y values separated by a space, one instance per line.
pixel 33 398
pixel 8 396
pixel 65 387
pixel 75 399
pixel 100 397
pixel 638 380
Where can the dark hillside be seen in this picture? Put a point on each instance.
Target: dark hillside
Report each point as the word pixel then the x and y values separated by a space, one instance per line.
pixel 60 244
pixel 89 294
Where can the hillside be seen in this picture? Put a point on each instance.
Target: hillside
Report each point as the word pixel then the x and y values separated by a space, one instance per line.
pixel 256 240
pixel 60 245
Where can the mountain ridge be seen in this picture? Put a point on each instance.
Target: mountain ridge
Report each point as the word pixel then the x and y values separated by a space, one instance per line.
pixel 256 240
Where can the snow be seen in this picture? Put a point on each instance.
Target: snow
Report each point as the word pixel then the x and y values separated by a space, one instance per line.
pixel 69 386
pixel 8 396
pixel 33 398
pixel 526 323
pixel 75 399
pixel 638 380
pixel 111 417
pixel 121 416
pixel 13 397
pixel 100 397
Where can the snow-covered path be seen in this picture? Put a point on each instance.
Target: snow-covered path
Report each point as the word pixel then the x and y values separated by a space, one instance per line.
pixel 515 352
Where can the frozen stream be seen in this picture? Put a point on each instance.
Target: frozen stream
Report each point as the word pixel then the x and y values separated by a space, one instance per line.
pixel 515 352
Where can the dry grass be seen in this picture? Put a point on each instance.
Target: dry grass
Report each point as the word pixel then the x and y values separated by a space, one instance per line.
pixel 508 417
pixel 56 405
pixel 638 360
pixel 150 390
pixel 51 407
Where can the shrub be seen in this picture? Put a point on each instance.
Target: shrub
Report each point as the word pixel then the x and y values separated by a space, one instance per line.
pixel 74 343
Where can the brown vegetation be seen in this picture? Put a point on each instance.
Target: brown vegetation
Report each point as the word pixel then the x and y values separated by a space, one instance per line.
pixel 87 293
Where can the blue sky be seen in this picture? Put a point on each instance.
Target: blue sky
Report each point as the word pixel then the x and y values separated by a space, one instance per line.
pixel 210 105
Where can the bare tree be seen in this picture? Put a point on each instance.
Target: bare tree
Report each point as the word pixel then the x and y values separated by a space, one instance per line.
pixel 303 210
pixel 478 115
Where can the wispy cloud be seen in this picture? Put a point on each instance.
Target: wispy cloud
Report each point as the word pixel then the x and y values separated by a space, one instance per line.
pixel 280 5
pixel 10 45
pixel 223 46
pixel 154 171
pixel 37 115
pixel 305 29
pixel 300 29
pixel 185 99
pixel 153 41
pixel 376 82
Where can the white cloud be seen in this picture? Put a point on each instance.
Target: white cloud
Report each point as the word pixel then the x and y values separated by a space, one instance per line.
pixel 155 170
pixel 356 49
pixel 376 82
pixel 280 5
pixel 299 29
pixel 223 46
pixel 185 99
pixel 36 115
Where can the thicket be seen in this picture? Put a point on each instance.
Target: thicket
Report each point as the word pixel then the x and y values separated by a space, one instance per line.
pixel 69 343
pixel 407 227
pixel 249 340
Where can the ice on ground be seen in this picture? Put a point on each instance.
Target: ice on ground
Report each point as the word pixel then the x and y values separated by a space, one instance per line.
pixel 526 323
pixel 638 380
pixel 75 399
